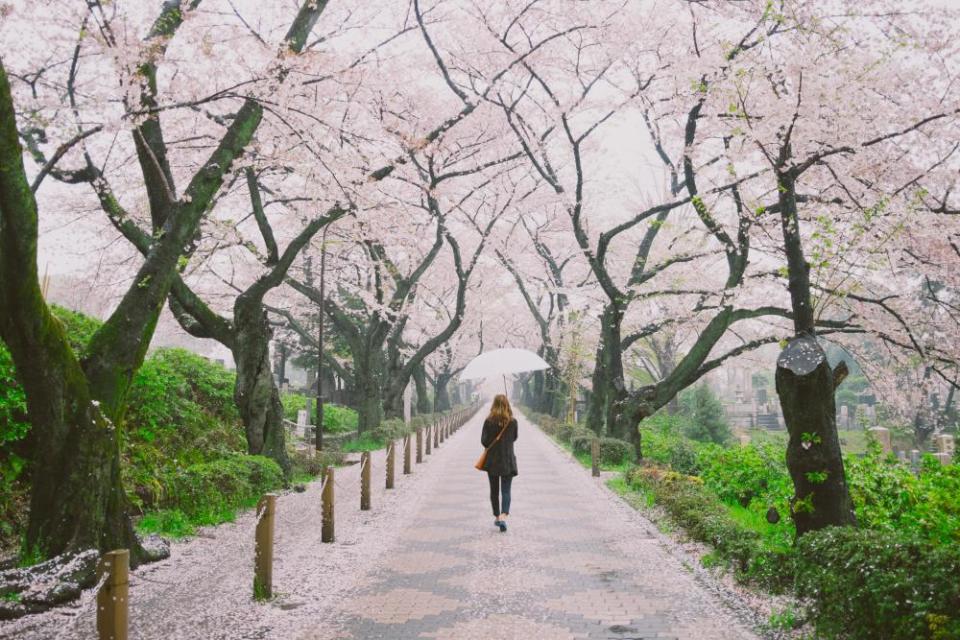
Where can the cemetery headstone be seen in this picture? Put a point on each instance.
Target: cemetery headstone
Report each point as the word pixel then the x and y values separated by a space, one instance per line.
pixel 883 437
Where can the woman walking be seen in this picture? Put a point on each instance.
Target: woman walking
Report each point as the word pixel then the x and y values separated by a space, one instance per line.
pixel 499 434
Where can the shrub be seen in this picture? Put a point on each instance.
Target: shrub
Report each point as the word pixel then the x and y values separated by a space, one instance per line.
pixel 888 496
pixel 339 419
pixel 566 431
pixel 390 429
pixel 877 585
pixel 581 441
pixel 312 465
pixel 706 519
pixel 293 403
pixel 747 473
pixel 210 492
pixel 181 413
pixel 614 451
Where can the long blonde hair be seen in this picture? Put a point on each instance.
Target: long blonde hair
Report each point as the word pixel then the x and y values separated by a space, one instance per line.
pixel 500 410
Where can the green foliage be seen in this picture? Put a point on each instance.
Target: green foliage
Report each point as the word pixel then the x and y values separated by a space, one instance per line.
pixel 707 519
pixel 390 429
pixel 336 418
pixel 874 585
pixel 211 492
pixel 366 442
pixel 615 452
pixel 78 327
pixel 707 420
pixel 339 419
pixel 293 403
pixel 752 476
pixel 181 413
pixel 889 497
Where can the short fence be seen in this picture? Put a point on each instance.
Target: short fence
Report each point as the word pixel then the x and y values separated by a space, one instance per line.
pixel 113 571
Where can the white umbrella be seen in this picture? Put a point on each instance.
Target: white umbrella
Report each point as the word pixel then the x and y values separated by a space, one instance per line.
pixel 500 362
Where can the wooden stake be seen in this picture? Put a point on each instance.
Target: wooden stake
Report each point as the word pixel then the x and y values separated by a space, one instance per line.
pixel 327 529
pixel 407 454
pixel 595 457
pixel 112 599
pixel 428 427
pixel 263 558
pixel 436 435
pixel 391 461
pixel 420 445
pixel 365 481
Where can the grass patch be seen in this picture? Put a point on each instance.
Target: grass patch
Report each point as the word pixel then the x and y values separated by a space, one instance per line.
pixel 366 442
pixel 11 597
pixel 773 537
pixel 170 523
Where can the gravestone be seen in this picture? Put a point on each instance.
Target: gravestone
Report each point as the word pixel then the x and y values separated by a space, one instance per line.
pixel 915 457
pixel 883 437
pixel 944 458
pixel 302 422
pixel 945 443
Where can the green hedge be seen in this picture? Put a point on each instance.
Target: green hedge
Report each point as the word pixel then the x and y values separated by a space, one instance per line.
pixel 210 492
pixel 871 585
pixel 706 519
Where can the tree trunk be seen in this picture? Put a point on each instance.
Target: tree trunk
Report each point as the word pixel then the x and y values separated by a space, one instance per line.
pixel 805 385
pixel 441 394
pixel 607 402
pixel 367 373
pixel 423 398
pixel 76 500
pixel 255 392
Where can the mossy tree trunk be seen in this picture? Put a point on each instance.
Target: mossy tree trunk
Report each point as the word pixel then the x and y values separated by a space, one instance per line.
pixel 805 385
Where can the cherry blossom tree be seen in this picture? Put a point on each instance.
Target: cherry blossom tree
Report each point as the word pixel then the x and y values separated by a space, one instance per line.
pixel 76 404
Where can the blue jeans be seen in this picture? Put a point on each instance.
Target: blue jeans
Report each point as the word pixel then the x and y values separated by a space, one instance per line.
pixel 498 485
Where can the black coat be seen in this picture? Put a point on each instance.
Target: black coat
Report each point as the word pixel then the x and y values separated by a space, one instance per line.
pixel 501 460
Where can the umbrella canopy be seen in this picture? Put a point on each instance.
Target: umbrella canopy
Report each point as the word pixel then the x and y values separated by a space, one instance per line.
pixel 500 362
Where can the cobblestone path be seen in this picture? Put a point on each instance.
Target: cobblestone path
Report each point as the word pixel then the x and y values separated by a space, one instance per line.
pixel 572 564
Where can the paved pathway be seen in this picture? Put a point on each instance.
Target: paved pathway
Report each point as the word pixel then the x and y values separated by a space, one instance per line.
pixel 572 565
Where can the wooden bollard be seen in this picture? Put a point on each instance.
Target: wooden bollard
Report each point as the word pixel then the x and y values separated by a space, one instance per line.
pixel 595 457
pixel 428 438
pixel 442 429
pixel 112 602
pixel 419 445
pixel 391 462
pixel 263 554
pixel 407 454
pixel 436 435
pixel 365 481
pixel 327 528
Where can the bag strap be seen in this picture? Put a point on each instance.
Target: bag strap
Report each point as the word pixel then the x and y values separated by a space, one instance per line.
pixel 502 431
